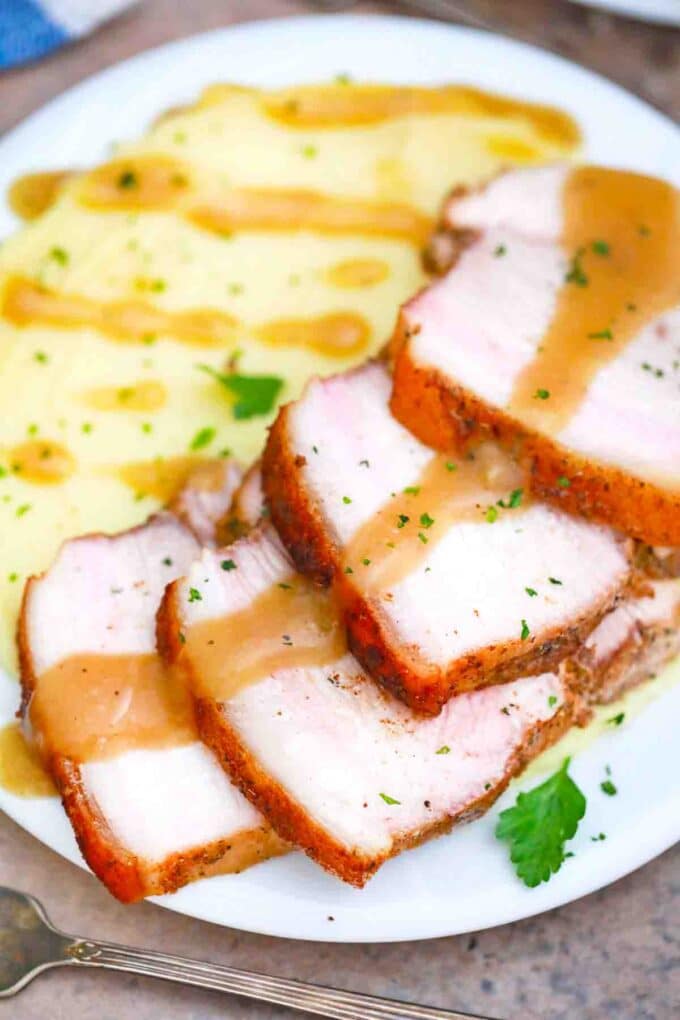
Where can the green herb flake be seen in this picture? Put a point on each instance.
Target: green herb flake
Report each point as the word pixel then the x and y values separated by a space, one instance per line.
pixel 254 395
pixel 402 520
pixel 285 587
pixel 616 720
pixel 366 562
pixel 423 538
pixel 23 509
pixel 500 250
pixel 346 499
pixel 541 394
pixel 203 438
pixel 554 580
pixel 309 151
pixel 525 632
pixel 552 700
pixel 575 273
pixel 450 466
pixel 41 357
pixel 491 514
pixel 602 334
pixel 608 787
pixel 128 179
pixel 389 800
pixel 601 247
pixel 531 592
pixel 13 577
pixel 539 824
pixel 60 256
pixel 167 561
pixel 412 490
pixel 348 570
pixel 195 595
pixel 426 520
pixel 228 565
pixel 444 749
pixel 563 482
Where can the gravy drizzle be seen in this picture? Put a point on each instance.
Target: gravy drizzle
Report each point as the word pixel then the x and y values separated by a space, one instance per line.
pixel 41 461
pixel 621 234
pixel 21 770
pixel 337 334
pixel 400 536
pixel 91 707
pixel 292 625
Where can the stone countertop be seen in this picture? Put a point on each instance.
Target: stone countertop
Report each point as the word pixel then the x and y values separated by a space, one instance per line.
pixel 613 954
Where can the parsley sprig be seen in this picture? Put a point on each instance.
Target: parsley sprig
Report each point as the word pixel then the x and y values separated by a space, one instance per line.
pixel 254 394
pixel 539 824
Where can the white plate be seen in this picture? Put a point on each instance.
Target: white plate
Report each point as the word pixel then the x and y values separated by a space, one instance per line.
pixel 462 882
pixel 666 12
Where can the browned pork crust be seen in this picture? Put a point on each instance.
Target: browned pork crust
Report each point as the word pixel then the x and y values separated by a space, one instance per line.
pixel 449 417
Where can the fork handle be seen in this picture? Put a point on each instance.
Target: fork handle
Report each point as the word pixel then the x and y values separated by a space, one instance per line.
pixel 329 1002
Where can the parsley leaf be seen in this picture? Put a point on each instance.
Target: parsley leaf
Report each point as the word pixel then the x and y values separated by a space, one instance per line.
pixel 617 719
pixel 539 824
pixel 203 437
pixel 388 799
pixel 255 394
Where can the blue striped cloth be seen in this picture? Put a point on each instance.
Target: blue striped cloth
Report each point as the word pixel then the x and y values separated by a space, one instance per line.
pixel 30 29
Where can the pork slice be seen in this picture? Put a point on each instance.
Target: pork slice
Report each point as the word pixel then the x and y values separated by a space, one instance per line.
pixel 462 345
pixel 339 767
pixel 632 643
pixel 206 497
pixel 245 509
pixel 152 815
pixel 437 597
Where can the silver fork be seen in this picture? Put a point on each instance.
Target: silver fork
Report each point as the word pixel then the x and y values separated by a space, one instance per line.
pixel 30 944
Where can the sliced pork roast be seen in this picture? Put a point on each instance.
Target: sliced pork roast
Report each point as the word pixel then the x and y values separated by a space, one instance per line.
pixel 448 576
pixel 340 768
pixel 557 330
pixel 245 509
pixel 632 643
pixel 205 499
pixel 150 806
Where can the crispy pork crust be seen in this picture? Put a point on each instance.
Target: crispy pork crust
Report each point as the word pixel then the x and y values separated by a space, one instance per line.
pixel 289 818
pixel 126 876
pixel 309 541
pixel 449 417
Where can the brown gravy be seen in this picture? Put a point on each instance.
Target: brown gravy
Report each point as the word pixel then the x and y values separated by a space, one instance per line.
pixel 41 461
pixel 21 770
pixel 357 273
pixel 33 194
pixel 293 625
pixel 91 707
pixel 163 477
pixel 621 233
pixel 338 334
pixel 392 543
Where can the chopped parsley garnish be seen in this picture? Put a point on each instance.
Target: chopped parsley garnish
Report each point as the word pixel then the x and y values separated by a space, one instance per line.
pixel 525 632
pixel 600 247
pixel 531 592
pixel 602 334
pixel 539 824
pixel 412 490
pixel 423 538
pixel 41 357
pixel 500 250
pixel 554 580
pixel 128 179
pixel 228 565
pixel 195 595
pixel 563 482
pixel 364 463
pixel 255 394
pixel 658 373
pixel 147 427
pixel 541 394
pixel 366 562
pixel 203 438
pixel 285 587
pixel 348 570
pixel 491 514
pixel 450 466
pixel 86 427
pixel 426 520
pixel 309 151
pixel 575 273
pixel 23 509
pixel 60 256
pixel 388 799
pixel 514 500
pixel 552 700
pixel 599 838
pixel 444 749
pixel 12 577
pixel 402 520
pixel 167 562
pixel 346 499
pixel 616 720
pixel 608 787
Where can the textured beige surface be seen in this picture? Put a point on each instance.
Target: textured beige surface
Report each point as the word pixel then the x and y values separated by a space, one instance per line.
pixel 611 955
